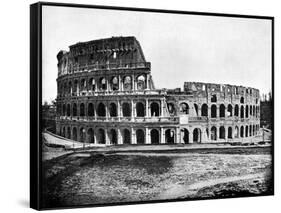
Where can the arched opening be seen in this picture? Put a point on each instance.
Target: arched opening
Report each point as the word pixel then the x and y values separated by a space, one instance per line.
pixel 126 110
pixel 112 110
pixel 246 131
pixel 213 133
pixel 254 111
pixel 101 136
pixel 74 109
pixel 83 85
pixel 204 110
pixel 113 137
pixel 242 100
pixel 92 84
pixel 247 111
pixel 196 135
pixel 229 110
pixel 68 132
pixel 114 83
pixel 236 110
pixel 213 111
pixel 242 131
pixel 127 83
pixel 68 110
pixel 102 84
pixel 222 132
pixel 74 134
pixel 140 109
pixel 242 111
pixel 154 136
pixel 91 138
pixel 101 110
pixel 169 136
pixel 229 132
pixel 126 136
pixel 91 111
pixel 250 130
pixel 236 132
pixel 82 110
pixel 251 110
pixel 171 108
pixel 214 98
pixel 140 136
pixel 185 136
pixel 76 87
pixel 184 108
pixel 141 82
pixel 222 111
pixel 155 109
pixel 82 134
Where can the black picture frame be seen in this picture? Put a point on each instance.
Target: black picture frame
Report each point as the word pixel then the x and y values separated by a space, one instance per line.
pixel 36 94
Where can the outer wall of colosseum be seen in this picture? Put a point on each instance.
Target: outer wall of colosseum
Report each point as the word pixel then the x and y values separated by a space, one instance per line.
pixel 106 95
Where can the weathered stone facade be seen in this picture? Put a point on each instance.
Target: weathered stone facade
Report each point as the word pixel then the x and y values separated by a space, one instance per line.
pixel 106 95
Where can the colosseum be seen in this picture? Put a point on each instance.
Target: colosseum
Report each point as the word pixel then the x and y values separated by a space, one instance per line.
pixel 106 95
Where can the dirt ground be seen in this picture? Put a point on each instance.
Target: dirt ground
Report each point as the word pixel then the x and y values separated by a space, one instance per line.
pixel 95 178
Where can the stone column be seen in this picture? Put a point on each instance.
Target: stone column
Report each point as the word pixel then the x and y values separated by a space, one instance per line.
pixel 107 141
pixel 132 109
pixel 133 82
pixel 162 136
pixel 191 136
pixel 119 135
pixel 162 108
pixel 95 137
pixel 133 137
pixel 218 110
pixel 146 108
pixel 119 83
pixel 107 85
pixel 147 136
pixel 178 136
pixel 118 109
pixel 147 81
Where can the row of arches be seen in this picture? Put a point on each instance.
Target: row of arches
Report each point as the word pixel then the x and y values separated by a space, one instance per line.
pixel 113 83
pixel 102 109
pixel 221 111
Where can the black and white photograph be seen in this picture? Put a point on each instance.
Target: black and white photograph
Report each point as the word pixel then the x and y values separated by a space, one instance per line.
pixel 145 106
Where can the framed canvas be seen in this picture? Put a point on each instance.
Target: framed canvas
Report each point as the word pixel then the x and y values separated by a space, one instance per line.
pixel 133 105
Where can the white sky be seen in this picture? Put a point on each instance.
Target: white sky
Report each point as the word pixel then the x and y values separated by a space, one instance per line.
pixel 180 47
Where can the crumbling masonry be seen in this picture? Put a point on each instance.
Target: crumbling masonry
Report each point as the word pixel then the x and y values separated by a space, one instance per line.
pixel 106 95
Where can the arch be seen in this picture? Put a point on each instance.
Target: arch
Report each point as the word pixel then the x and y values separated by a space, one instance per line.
pixel 214 98
pixel 242 112
pixel 254 130
pixel 229 132
pixel 213 111
pixel 247 111
pixel 113 137
pixel 254 110
pixel 114 83
pixel 154 136
pixel 76 86
pixel 126 136
pixel 236 132
pixel 236 110
pixel 140 109
pixel 126 109
pixel 185 135
pixel 222 132
pixel 155 109
pixel 74 109
pixel 82 134
pixel 91 110
pixel 250 130
pixel 204 110
pixel 101 136
pixel 251 110
pixel 127 83
pixel 91 138
pixel 112 110
pixel 83 85
pixel 102 83
pixel 184 108
pixel 92 84
pixel 214 133
pixel 246 131
pixel 140 136
pixel 74 134
pixel 169 136
pixel 242 131
pixel 229 110
pixel 222 111
pixel 101 111
pixel 68 133
pixel 242 100
pixel 68 110
pixel 140 82
pixel 82 109
pixel 171 108
pixel 197 135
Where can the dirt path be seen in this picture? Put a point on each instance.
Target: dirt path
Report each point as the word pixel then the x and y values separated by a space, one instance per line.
pixel 183 190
